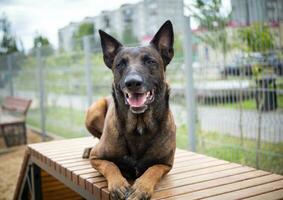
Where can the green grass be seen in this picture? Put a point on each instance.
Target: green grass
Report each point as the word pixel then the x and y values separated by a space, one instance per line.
pixel 64 122
pixel 231 149
pixel 250 104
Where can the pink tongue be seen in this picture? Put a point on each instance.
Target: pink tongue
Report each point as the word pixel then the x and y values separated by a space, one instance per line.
pixel 137 100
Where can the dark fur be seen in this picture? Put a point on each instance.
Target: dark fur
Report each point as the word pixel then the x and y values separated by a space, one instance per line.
pixel 140 145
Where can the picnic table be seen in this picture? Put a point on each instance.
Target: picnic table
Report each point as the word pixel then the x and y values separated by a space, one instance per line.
pixel 12 120
pixel 13 129
pixel 56 170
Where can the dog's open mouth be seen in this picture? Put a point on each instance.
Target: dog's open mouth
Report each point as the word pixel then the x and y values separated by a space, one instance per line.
pixel 139 101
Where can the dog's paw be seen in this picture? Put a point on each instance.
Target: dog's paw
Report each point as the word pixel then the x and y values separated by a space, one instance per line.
pixel 118 189
pixel 139 191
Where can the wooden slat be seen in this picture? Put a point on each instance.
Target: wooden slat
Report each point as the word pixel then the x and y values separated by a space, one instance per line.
pixel 201 178
pixel 191 187
pixel 201 190
pixel 249 192
pixel 205 171
pixel 52 189
pixel 274 195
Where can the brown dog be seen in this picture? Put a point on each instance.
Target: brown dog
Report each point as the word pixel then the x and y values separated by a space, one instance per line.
pixel 136 127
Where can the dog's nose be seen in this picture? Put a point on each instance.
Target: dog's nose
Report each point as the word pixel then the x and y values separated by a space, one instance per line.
pixel 133 81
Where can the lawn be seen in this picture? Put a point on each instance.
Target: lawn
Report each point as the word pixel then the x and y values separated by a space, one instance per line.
pixel 250 104
pixel 64 122
pixel 229 148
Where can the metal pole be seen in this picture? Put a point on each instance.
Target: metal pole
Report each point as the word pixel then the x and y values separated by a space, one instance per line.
pixel 189 90
pixel 10 70
pixel 41 92
pixel 86 45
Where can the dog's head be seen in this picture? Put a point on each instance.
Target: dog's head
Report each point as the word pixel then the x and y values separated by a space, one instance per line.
pixel 139 72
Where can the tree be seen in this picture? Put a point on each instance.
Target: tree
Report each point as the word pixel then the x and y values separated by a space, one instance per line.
pixel 43 43
pixel 210 18
pixel 8 42
pixel 256 38
pixel 40 41
pixel 85 29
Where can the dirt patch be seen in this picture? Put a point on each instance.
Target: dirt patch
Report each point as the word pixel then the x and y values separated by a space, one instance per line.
pixel 10 164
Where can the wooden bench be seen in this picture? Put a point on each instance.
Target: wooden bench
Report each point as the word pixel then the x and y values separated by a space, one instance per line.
pixel 12 120
pixel 55 170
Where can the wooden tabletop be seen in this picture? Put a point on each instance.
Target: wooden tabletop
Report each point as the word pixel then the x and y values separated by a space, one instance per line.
pixel 194 176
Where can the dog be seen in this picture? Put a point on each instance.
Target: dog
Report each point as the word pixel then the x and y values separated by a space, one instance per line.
pixel 136 127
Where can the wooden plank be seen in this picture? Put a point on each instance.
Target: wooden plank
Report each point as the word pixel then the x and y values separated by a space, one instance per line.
pixel 204 190
pixel 54 189
pixel 198 166
pixel 86 180
pixel 23 172
pixel 249 192
pixel 76 173
pixel 208 169
pixel 105 194
pixel 63 179
pixel 201 178
pixel 182 164
pixel 50 159
pixel 201 171
pixel 71 170
pixel 54 143
pixel 274 195
pixel 97 190
pixel 194 187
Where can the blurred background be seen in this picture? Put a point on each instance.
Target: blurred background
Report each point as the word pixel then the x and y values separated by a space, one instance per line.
pixel 226 76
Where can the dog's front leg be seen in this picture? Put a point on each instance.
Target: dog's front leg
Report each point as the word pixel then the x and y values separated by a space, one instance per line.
pixel 117 184
pixel 144 185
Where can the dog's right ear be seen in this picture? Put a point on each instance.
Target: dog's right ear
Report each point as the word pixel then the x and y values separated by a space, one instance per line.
pixel 110 47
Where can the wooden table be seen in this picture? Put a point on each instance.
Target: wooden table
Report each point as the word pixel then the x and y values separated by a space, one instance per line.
pixel 13 129
pixel 55 170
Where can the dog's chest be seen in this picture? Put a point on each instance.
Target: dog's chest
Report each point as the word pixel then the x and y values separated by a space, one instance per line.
pixel 138 142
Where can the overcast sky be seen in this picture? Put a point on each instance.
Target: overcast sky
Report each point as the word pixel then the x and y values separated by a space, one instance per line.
pixel 29 17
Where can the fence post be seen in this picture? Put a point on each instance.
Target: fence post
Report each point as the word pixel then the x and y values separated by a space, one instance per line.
pixel 10 74
pixel 86 46
pixel 189 89
pixel 41 92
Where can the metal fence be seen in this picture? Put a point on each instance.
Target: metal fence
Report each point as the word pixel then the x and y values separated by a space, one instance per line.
pixel 235 103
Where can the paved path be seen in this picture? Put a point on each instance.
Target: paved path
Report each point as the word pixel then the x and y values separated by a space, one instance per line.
pixel 227 121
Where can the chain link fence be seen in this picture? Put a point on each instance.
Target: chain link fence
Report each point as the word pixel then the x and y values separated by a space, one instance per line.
pixel 238 94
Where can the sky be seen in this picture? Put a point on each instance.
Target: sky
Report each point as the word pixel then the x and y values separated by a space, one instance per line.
pixel 32 17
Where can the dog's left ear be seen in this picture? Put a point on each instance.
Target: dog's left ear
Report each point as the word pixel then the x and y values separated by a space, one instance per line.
pixel 163 41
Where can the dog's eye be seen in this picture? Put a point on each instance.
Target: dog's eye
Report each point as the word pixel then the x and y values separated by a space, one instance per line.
pixel 121 64
pixel 150 62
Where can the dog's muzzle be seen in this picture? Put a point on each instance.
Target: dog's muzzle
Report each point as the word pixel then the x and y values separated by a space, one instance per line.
pixel 136 96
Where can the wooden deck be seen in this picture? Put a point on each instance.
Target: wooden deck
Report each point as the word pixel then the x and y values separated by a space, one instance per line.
pixel 65 175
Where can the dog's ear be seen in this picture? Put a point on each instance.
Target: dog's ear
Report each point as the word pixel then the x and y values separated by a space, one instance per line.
pixel 163 41
pixel 110 47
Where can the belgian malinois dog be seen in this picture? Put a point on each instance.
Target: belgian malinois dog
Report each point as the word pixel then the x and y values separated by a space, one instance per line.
pixel 136 128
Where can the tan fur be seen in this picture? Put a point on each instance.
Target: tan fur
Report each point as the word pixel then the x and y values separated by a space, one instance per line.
pixel 95 116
